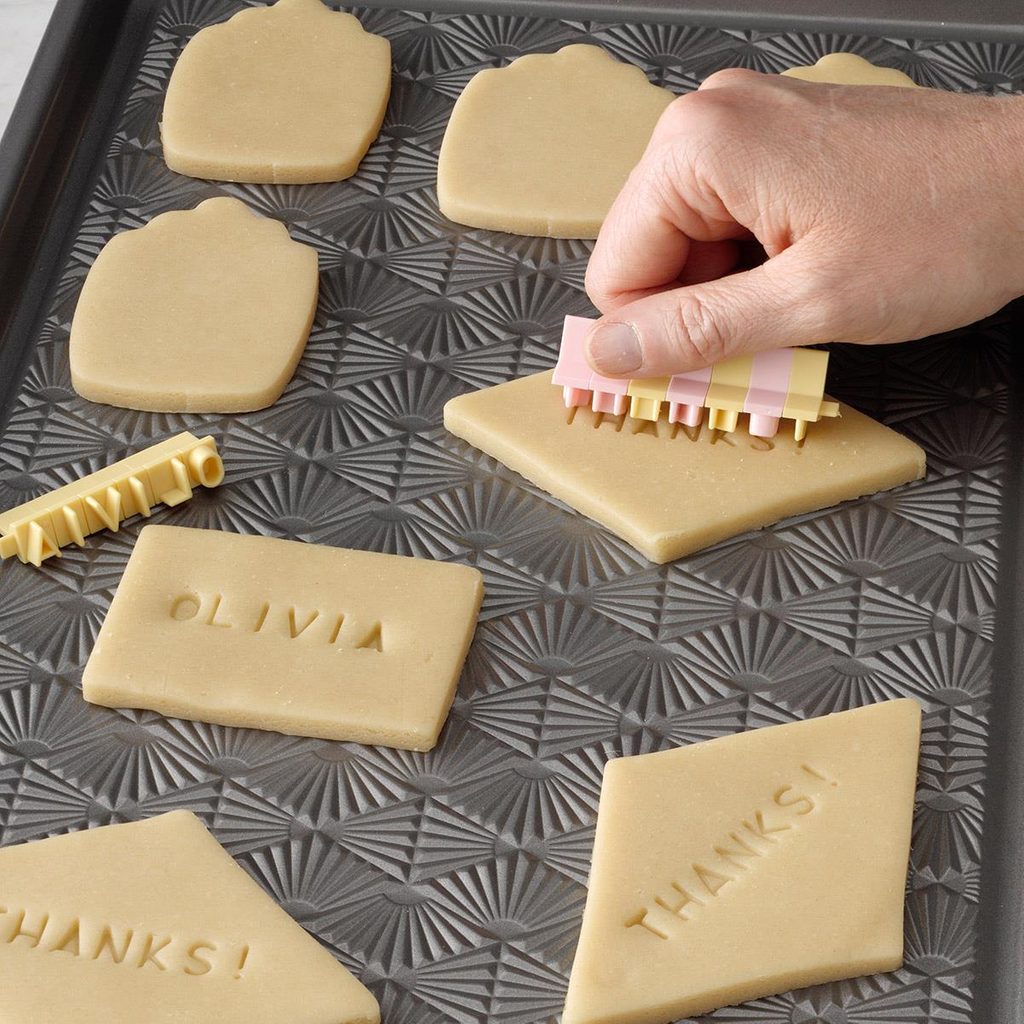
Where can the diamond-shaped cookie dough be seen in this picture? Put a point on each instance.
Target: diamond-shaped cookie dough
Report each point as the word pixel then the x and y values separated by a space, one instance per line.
pixel 748 865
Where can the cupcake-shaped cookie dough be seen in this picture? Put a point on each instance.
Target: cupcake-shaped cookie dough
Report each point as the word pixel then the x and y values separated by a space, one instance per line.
pixel 849 69
pixel 543 146
pixel 285 94
pixel 204 310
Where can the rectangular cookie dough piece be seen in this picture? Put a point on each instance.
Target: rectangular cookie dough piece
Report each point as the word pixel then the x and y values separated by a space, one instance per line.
pixel 277 634
pixel 670 491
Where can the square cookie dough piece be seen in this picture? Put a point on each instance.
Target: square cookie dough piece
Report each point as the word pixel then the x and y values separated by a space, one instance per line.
pixel 276 634
pixel 669 492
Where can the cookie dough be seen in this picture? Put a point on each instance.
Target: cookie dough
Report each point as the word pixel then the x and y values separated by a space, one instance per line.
pixel 153 921
pixel 746 866
pixel 278 634
pixel 204 310
pixel 670 490
pixel 543 146
pixel 291 93
pixel 850 69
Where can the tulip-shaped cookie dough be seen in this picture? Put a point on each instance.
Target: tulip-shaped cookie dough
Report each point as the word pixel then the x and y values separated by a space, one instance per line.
pixel 285 94
pixel 204 310
pixel 543 146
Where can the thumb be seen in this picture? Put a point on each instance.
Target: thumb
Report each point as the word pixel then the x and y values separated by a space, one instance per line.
pixel 778 304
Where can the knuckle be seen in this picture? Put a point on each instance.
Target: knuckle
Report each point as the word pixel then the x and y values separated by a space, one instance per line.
pixel 691 111
pixel 829 305
pixel 697 110
pixel 658 179
pixel 677 110
pixel 705 120
pixel 670 124
pixel 596 284
pixel 697 330
pixel 672 121
pixel 728 77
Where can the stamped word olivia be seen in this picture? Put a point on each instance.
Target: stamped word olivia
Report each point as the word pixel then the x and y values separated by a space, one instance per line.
pixel 269 619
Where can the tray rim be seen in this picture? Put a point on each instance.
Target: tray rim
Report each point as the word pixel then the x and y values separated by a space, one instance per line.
pixel 49 156
pixel 962 22
pixel 999 954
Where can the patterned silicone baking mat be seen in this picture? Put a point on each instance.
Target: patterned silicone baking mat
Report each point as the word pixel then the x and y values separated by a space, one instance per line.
pixel 453 882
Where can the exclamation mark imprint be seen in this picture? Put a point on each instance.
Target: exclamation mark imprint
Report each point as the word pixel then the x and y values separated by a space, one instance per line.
pixel 264 612
pixel 819 774
pixel 241 961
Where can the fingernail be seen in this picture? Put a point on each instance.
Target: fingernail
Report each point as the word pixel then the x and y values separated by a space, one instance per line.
pixel 614 349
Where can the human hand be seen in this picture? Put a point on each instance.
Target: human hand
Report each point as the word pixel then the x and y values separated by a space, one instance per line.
pixel 886 215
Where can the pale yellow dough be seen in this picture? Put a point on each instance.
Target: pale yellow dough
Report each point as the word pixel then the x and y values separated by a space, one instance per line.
pixel 291 93
pixel 153 921
pixel 661 491
pixel 746 866
pixel 204 310
pixel 543 146
pixel 850 69
pixel 277 634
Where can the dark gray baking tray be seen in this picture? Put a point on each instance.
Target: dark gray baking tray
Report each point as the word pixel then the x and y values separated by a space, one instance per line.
pixel 453 882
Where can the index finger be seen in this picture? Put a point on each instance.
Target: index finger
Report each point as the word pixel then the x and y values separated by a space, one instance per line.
pixel 664 207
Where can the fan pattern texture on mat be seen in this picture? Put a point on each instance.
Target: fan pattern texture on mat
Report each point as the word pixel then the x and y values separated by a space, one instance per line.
pixel 452 883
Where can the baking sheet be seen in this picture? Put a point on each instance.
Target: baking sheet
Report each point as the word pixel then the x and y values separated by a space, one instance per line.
pixel 453 882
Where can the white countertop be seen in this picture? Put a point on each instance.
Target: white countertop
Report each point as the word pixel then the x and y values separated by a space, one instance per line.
pixel 21 27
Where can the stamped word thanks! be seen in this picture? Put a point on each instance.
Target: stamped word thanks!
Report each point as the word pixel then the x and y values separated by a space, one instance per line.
pixel 103 942
pixel 734 856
